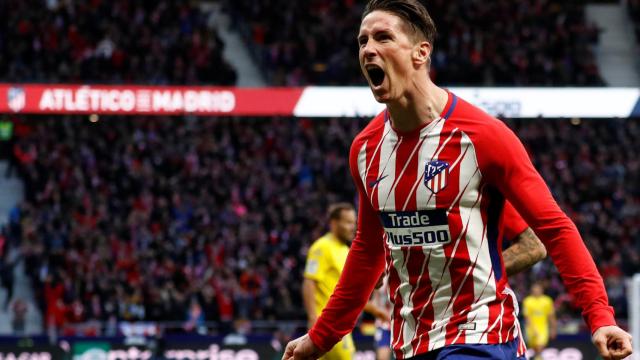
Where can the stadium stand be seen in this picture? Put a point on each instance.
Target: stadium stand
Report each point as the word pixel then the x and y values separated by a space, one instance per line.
pixel 125 199
pixel 151 42
pixel 524 43
pixel 188 219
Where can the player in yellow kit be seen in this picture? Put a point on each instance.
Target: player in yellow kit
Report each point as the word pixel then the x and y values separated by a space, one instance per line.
pixel 325 261
pixel 540 318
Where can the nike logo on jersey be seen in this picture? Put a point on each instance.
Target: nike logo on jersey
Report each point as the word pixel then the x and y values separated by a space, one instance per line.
pixel 375 182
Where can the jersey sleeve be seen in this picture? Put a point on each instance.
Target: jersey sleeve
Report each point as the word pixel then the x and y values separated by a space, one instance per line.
pixel 506 166
pixel 513 223
pixel 362 269
pixel 317 262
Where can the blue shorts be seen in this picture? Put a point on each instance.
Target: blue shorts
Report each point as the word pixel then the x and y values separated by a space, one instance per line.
pixel 382 338
pixel 506 351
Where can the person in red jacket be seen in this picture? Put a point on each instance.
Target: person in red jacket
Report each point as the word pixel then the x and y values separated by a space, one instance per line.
pixel 433 173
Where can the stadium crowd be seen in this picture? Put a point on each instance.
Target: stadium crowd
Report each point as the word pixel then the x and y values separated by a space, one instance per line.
pixel 138 219
pixel 151 42
pixel 532 42
pixel 192 219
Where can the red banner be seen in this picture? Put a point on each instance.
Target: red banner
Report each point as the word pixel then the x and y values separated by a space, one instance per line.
pixel 150 100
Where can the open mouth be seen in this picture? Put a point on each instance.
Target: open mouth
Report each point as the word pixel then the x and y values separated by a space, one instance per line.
pixel 376 74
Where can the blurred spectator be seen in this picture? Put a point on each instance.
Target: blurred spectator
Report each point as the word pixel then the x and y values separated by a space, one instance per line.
pixel 160 42
pixel 19 318
pixel 8 261
pixel 3 243
pixel 505 42
pixel 195 318
pixel 142 219
pixel 634 12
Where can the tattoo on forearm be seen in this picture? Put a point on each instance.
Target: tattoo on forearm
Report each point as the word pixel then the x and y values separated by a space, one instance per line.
pixel 522 254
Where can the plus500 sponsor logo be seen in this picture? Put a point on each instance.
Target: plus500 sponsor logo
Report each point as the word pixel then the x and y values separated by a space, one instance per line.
pixel 425 238
pixel 426 228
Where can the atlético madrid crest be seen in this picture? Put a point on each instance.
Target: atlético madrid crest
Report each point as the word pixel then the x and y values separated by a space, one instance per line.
pixel 16 98
pixel 436 175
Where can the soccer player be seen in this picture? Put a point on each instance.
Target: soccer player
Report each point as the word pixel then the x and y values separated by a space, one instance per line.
pixel 433 173
pixel 540 319
pixel 325 261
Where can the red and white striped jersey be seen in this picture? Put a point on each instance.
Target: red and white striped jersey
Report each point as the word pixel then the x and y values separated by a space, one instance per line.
pixel 430 211
pixel 513 226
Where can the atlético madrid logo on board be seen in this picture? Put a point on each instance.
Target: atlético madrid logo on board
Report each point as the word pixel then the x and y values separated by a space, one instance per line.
pixel 16 99
pixel 436 175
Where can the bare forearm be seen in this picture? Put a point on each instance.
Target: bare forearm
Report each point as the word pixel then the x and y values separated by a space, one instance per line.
pixel 371 309
pixel 553 324
pixel 308 297
pixel 523 253
pixel 377 312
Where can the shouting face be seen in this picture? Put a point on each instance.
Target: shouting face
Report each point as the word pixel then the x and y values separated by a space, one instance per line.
pixel 390 54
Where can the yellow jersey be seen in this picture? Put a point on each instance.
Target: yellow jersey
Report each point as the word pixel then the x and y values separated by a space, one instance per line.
pixel 325 262
pixel 537 310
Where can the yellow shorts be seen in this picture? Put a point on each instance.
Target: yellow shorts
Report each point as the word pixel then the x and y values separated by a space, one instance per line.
pixel 344 350
pixel 537 337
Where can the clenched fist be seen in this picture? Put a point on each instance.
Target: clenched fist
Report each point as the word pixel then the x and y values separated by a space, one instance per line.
pixel 301 348
pixel 612 342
